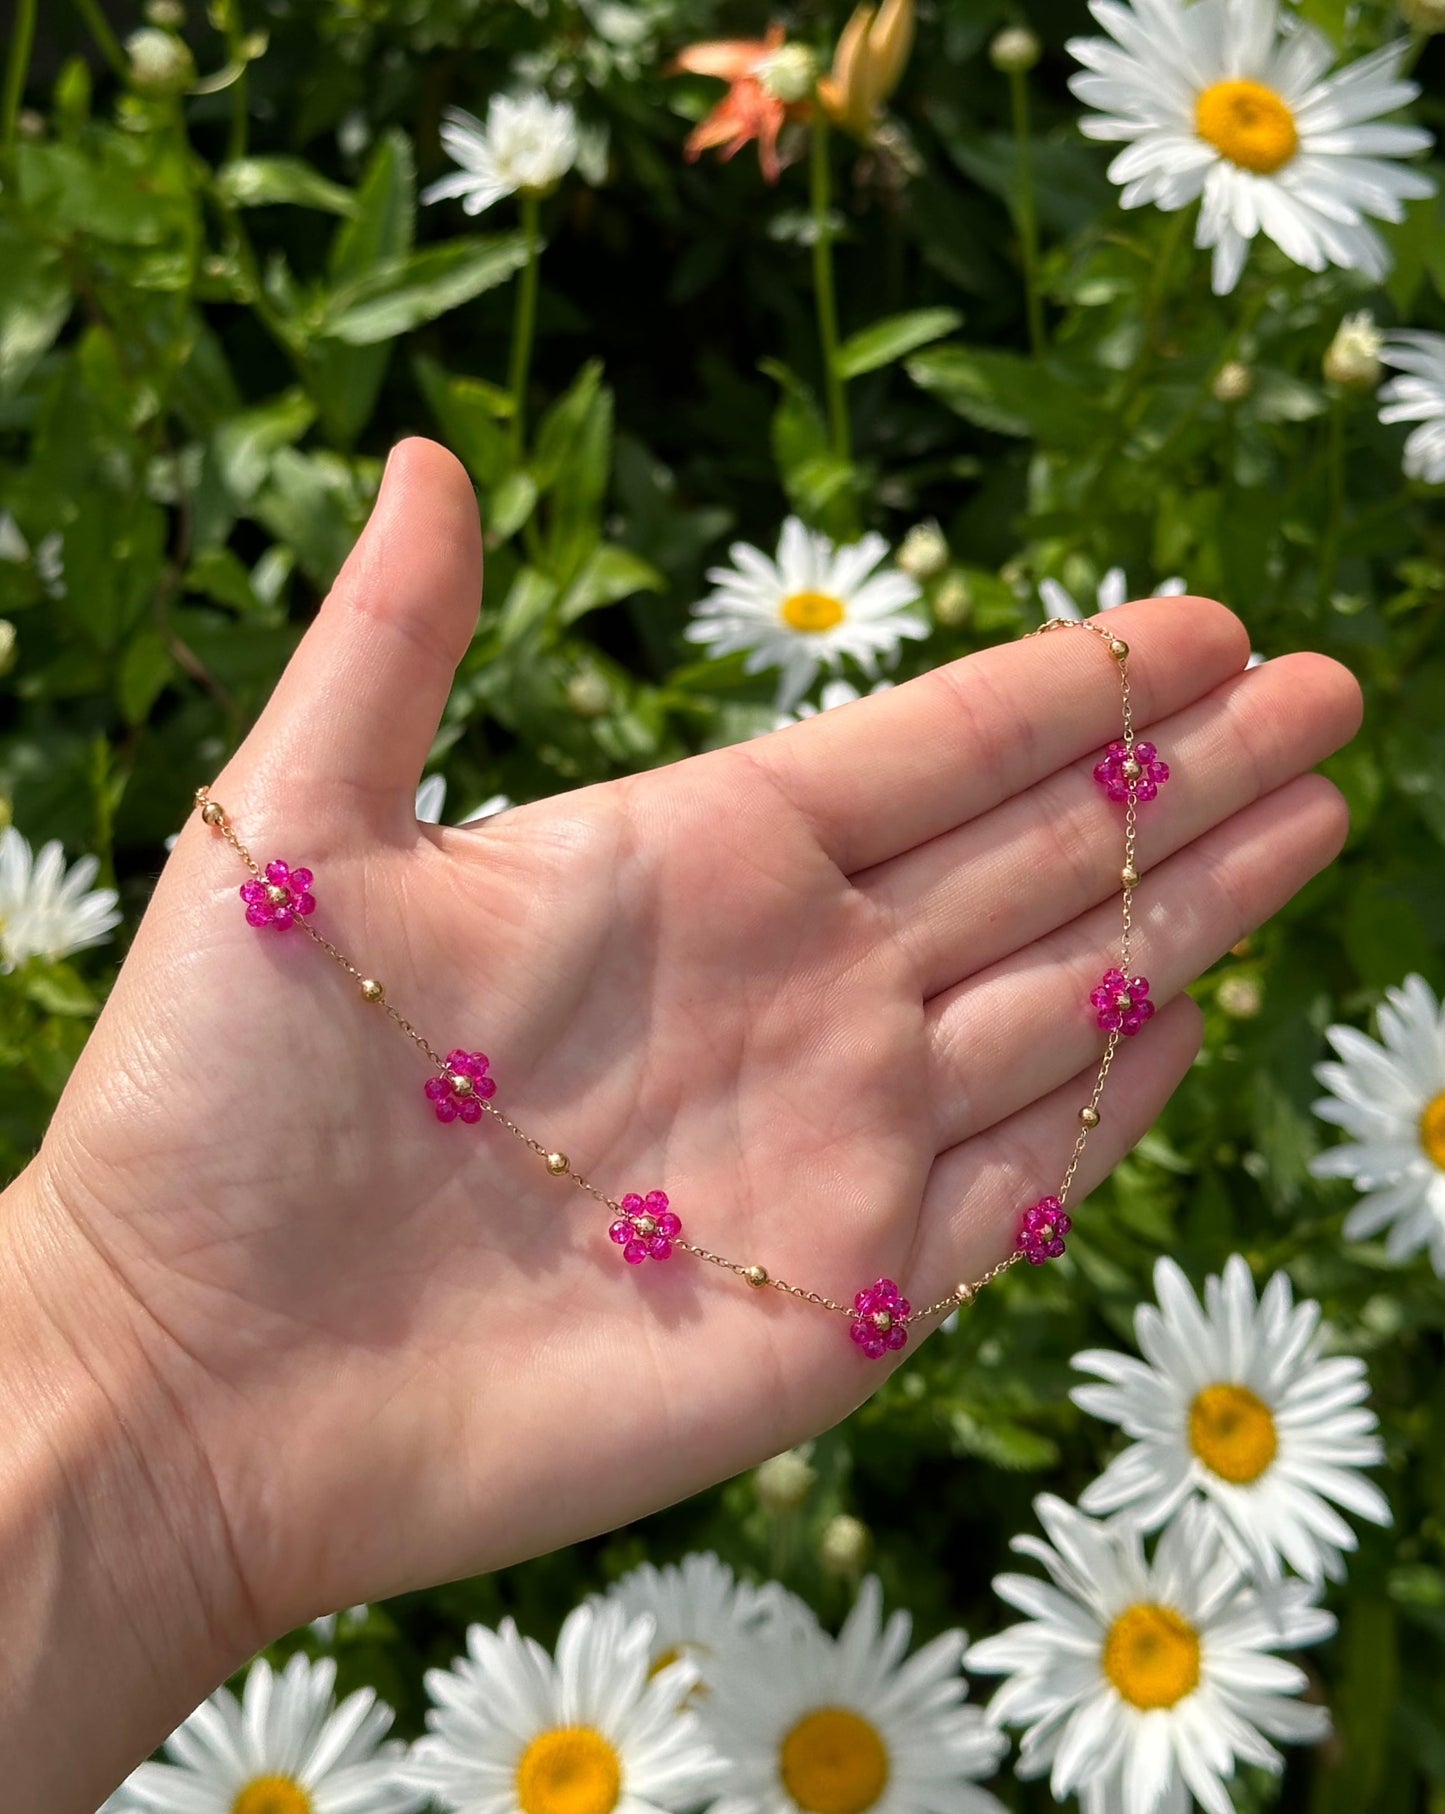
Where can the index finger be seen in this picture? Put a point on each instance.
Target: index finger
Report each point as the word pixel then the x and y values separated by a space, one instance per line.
pixel 876 777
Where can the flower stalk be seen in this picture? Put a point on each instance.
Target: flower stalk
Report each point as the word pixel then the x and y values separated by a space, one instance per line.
pixel 524 323
pixel 1026 207
pixel 17 67
pixel 824 292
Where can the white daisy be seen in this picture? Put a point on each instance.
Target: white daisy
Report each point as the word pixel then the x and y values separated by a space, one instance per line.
pixel 812 1724
pixel 834 693
pixel 1225 100
pixel 431 797
pixel 1234 1401
pixel 1390 1099
pixel 807 609
pixel 1141 1683
pixel 699 1609
pixel 1061 607
pixel 1418 397
pixel 45 910
pixel 512 1731
pixel 284 1748
pixel 526 147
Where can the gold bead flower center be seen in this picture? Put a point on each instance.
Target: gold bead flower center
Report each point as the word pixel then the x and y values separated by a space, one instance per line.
pixel 571 1770
pixel 1432 1130
pixel 1233 1433
pixel 1151 1655
pixel 1247 123
pixel 812 612
pixel 834 1762
pixel 273 1795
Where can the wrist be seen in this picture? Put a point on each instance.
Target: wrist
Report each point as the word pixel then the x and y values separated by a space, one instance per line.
pixel 119 1595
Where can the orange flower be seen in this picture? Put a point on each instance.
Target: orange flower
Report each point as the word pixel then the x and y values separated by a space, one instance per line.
pixel 751 108
pixel 867 66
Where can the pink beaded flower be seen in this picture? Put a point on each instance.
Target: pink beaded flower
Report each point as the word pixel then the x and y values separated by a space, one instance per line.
pixel 880 1323
pixel 1122 1003
pixel 280 899
pixel 1042 1230
pixel 1138 771
pixel 460 1093
pixel 646 1229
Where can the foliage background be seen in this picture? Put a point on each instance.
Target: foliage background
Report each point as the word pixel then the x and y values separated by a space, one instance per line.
pixel 220 310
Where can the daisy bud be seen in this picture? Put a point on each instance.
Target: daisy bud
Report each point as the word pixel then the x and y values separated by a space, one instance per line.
pixel 30 124
pixel 953 601
pixel 160 64
pixel 846 1545
pixel 588 694
pixel 1352 359
pixel 789 74
pixel 784 1482
pixel 170 15
pixel 7 645
pixel 924 552
pixel 1240 997
pixel 1232 383
pixel 1426 16
pixel 1015 50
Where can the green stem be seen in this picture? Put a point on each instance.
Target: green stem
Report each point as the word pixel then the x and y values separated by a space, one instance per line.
pixel 240 119
pixel 1027 208
pixel 99 28
pixel 823 290
pixel 17 68
pixel 1330 556
pixel 524 326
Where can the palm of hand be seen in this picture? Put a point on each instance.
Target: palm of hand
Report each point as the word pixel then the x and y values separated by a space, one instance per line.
pixel 411 1353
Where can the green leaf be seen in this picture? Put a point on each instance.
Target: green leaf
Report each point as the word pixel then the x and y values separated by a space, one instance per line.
pixel 563 423
pixel 467 412
pixel 511 503
pixel 346 380
pixel 894 338
pixel 1006 392
pixel 35 301
pixel 609 574
pixel 260 182
pixel 246 445
pixel 402 293
pixel 58 989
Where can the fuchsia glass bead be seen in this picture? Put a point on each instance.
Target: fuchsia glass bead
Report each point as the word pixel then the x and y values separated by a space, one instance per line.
pixel 1122 1003
pixel 1111 773
pixel 453 1104
pixel 1042 1230
pixel 281 899
pixel 646 1228
pixel 880 1319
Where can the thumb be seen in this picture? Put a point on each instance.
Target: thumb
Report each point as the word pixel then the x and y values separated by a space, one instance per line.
pixel 360 701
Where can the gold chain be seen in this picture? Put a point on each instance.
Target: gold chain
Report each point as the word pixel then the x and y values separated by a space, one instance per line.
pixel 559 1165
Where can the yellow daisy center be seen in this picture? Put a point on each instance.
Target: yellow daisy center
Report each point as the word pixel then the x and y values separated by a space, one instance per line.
pixel 1151 1655
pixel 1247 123
pixel 1432 1129
pixel 1232 1432
pixel 834 1762
pixel 272 1795
pixel 572 1770
pixel 812 612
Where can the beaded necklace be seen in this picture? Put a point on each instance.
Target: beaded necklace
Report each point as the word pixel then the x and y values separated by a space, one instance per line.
pixel 645 1226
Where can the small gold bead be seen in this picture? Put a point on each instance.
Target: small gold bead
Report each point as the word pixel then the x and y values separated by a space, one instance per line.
pixel 964 1293
pixel 276 894
pixel 558 1164
pixel 1089 1116
pixel 1118 649
pixel 756 1276
pixel 1132 770
pixel 371 989
pixel 1129 876
pixel 882 1321
pixel 646 1225
pixel 460 1082
pixel 213 813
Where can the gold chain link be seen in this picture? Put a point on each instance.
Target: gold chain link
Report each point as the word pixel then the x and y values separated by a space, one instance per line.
pixel 754 1275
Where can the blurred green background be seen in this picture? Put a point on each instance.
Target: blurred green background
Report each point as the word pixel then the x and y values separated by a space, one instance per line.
pixel 221 305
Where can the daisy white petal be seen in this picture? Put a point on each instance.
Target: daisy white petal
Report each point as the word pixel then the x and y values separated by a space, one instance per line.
pixel 527 145
pixel 45 912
